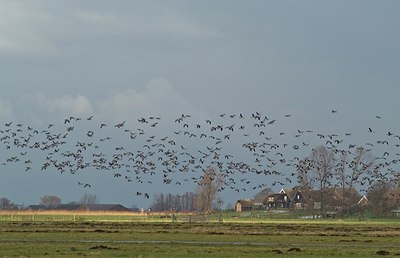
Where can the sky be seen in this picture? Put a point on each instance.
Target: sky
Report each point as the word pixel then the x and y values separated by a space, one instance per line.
pixel 124 60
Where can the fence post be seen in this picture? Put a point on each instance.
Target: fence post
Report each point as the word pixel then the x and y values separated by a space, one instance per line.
pixel 220 218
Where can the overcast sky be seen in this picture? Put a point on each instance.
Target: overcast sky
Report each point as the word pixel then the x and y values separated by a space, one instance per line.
pixel 121 60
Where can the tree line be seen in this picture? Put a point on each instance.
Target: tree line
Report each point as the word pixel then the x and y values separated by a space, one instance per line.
pixel 204 198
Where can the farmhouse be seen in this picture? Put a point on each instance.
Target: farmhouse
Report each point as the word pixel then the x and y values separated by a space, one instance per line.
pixel 305 199
pixel 335 199
pixel 278 200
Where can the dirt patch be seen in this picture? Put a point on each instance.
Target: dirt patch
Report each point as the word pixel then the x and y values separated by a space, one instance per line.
pixel 216 233
pixel 102 247
pixel 348 240
pixel 277 251
pixel 382 252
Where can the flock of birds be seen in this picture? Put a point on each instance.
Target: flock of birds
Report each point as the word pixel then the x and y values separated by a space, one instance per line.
pixel 249 150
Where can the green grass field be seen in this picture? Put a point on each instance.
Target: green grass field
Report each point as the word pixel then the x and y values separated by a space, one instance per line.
pixel 113 235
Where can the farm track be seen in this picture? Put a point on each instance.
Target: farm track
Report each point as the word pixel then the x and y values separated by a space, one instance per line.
pixel 205 243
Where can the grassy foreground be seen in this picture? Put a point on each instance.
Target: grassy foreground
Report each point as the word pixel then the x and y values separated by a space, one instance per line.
pixel 133 238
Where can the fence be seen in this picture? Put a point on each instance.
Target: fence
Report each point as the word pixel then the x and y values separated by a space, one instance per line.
pixel 109 216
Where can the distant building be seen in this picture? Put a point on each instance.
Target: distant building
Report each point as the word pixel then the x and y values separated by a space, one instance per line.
pixel 80 207
pixel 334 199
pixel 104 207
pixel 244 205
pixel 278 200
pixel 363 201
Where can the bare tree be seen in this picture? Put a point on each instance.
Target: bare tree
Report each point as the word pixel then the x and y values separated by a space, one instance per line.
pixel 89 199
pixel 377 197
pixel 188 201
pixel 353 171
pixel 166 202
pixel 4 203
pixel 321 165
pixel 396 179
pixel 207 190
pixel 158 203
pixel 50 200
pixel 303 167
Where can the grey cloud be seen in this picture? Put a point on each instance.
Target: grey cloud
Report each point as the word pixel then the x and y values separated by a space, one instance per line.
pixel 5 109
pixel 157 98
pixel 20 28
pixel 40 109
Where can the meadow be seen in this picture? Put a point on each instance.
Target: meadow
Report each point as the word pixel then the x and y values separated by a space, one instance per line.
pixel 104 234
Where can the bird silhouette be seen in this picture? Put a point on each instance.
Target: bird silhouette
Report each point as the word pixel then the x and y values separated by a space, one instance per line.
pixel 238 145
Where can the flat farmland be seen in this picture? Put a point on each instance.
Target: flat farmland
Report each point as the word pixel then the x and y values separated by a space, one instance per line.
pixel 55 237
